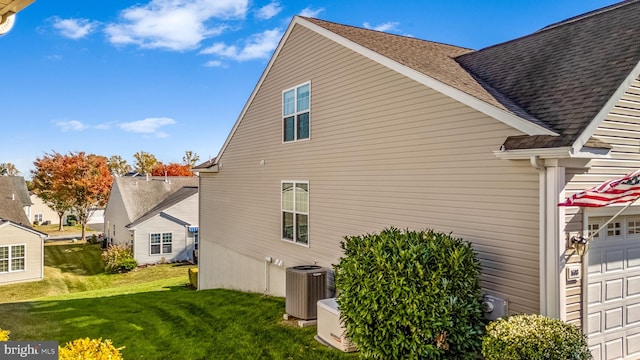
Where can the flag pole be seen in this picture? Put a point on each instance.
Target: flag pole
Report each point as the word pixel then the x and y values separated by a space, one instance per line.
pixel 590 237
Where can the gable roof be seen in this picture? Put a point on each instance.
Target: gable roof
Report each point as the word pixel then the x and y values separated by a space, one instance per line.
pixel 566 73
pixel 555 85
pixel 13 197
pixel 140 195
pixel 4 223
pixel 173 199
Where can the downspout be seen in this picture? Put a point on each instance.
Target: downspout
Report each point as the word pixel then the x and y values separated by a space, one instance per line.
pixel 542 218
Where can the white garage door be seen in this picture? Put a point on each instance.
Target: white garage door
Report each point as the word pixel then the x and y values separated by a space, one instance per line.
pixel 613 296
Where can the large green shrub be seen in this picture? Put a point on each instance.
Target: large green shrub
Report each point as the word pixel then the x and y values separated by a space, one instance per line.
pixel 410 295
pixel 94 349
pixel 533 337
pixel 118 259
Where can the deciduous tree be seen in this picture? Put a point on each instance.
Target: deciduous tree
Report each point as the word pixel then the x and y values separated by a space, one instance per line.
pixel 76 182
pixel 118 166
pixel 172 169
pixel 8 169
pixel 145 162
pixel 190 158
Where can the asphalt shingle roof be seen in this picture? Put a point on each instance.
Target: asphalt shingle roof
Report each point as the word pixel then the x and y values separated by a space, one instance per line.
pixel 564 73
pixel 13 197
pixel 559 77
pixel 140 195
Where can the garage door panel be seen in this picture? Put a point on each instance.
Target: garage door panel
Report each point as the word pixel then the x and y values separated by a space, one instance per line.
pixel 613 349
pixel 633 315
pixel 633 286
pixel 633 258
pixel 596 351
pixel 613 319
pixel 633 345
pixel 615 260
pixel 595 323
pixel 613 289
pixel 595 294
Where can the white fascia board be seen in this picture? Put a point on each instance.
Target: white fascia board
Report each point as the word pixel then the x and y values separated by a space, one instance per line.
pixel 606 109
pixel 553 153
pixel 514 121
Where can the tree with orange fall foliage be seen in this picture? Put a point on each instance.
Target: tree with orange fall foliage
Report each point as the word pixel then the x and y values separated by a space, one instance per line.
pixel 172 169
pixel 78 181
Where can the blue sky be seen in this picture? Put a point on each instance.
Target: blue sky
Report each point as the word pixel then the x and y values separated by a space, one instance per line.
pixel 166 76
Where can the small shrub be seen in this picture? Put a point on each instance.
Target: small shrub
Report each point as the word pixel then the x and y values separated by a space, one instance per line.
pixel 193 277
pixel 118 259
pixel 410 295
pixel 93 239
pixel 72 220
pixel 95 349
pixel 4 335
pixel 533 337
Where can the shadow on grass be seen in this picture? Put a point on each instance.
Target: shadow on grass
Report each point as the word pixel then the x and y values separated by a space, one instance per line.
pixel 174 324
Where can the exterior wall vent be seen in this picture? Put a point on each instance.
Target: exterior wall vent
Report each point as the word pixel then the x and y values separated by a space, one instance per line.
pixel 305 285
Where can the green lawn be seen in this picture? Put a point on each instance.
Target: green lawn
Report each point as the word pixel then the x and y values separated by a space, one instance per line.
pixel 155 315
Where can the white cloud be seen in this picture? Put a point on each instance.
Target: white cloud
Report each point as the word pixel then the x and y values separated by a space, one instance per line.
pixel 309 12
pixel 74 28
pixel 390 25
pixel 173 24
pixel 213 63
pixel 269 11
pixel 148 126
pixel 70 125
pixel 258 46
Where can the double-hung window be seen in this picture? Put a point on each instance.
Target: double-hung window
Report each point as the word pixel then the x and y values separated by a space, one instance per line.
pixel 295 113
pixel 160 243
pixel 12 258
pixel 295 212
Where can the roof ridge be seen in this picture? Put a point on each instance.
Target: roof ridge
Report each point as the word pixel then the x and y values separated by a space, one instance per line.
pixel 312 19
pixel 586 15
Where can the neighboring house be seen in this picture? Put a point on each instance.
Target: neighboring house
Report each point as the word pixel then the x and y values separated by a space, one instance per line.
pixel 376 130
pixel 21 247
pixel 157 216
pixel 15 200
pixel 41 212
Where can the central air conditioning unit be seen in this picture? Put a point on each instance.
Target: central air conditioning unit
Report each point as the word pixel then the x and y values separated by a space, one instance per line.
pixel 306 284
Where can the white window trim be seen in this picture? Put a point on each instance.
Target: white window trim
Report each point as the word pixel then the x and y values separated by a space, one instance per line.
pixel 11 257
pixel 161 243
pixel 308 213
pixel 295 114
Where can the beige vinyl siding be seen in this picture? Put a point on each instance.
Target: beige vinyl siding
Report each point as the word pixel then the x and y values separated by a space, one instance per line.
pixel 15 235
pixel 384 151
pixel 621 130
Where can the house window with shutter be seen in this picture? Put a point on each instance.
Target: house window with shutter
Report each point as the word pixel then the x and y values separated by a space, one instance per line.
pixel 296 103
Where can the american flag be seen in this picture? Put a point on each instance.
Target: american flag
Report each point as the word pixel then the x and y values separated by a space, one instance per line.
pixel 615 191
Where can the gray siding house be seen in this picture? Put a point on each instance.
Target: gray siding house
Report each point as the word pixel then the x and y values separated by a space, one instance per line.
pixel 375 130
pixel 157 216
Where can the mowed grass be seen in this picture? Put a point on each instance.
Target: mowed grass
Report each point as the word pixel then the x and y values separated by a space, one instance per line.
pixel 154 314
pixel 79 267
